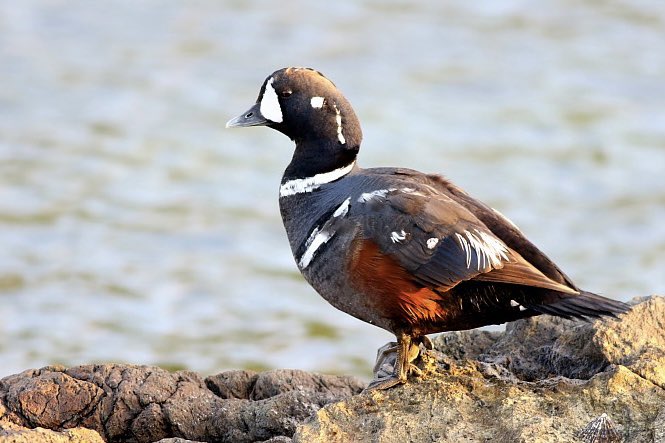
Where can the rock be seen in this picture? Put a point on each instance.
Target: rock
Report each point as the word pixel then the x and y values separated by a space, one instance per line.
pixel 12 433
pixel 542 380
pixel 545 346
pixel 145 404
pixel 179 440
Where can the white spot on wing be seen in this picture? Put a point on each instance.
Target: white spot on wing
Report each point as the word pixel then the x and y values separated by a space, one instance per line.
pixel 338 119
pixel 514 304
pixel 381 193
pixel 316 102
pixel 302 185
pixel 270 108
pixel 397 237
pixel 489 250
pixel 432 242
pixel 367 196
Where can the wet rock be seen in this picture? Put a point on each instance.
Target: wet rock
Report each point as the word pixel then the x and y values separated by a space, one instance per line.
pixel 543 379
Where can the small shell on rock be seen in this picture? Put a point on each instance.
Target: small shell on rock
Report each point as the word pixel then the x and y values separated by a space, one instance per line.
pixel 600 430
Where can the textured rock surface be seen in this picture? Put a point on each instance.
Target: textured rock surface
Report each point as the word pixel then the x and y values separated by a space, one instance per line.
pixel 542 380
pixel 146 404
pixel 12 433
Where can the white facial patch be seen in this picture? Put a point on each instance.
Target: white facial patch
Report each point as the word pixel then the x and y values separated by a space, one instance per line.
pixel 270 107
pixel 302 185
pixel 432 242
pixel 489 250
pixel 338 119
pixel 316 102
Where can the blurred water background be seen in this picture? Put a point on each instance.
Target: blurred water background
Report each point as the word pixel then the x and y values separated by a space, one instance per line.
pixel 134 228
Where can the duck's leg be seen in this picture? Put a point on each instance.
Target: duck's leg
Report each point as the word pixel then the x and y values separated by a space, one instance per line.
pixel 407 352
pixel 384 355
pixel 425 341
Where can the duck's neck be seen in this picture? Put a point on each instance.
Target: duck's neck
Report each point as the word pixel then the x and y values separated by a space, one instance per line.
pixel 328 148
pixel 314 166
pixel 319 157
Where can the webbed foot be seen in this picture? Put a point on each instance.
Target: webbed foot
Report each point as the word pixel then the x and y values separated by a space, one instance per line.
pixel 394 361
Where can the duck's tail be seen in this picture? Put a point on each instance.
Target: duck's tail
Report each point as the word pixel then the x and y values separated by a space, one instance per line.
pixel 584 306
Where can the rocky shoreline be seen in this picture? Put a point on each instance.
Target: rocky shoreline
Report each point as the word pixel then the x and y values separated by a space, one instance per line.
pixel 541 380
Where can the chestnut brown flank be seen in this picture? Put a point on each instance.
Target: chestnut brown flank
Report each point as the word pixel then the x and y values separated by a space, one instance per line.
pixel 390 287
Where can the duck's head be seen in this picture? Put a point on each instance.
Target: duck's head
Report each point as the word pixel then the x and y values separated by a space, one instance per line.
pixel 304 105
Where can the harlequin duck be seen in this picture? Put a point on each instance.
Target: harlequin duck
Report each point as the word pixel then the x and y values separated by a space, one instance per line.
pixel 405 251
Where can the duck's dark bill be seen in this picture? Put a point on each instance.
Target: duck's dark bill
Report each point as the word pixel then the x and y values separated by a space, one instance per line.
pixel 251 117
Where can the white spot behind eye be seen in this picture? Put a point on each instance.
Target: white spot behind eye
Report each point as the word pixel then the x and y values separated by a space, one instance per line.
pixel 270 107
pixel 432 242
pixel 317 102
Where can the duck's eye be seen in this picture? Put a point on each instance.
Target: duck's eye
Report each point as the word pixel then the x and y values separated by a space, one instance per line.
pixel 286 93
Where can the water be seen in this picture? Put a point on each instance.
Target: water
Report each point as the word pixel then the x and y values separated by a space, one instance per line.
pixel 134 228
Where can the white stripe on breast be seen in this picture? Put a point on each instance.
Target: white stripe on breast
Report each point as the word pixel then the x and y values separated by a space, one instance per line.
pixel 308 184
pixel 319 237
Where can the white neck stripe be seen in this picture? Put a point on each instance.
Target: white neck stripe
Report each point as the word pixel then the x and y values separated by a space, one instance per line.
pixel 302 185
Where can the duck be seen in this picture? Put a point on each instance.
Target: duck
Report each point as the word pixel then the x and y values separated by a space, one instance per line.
pixel 405 251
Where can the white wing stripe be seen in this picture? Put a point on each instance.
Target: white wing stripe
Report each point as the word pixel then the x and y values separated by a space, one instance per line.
pixel 489 250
